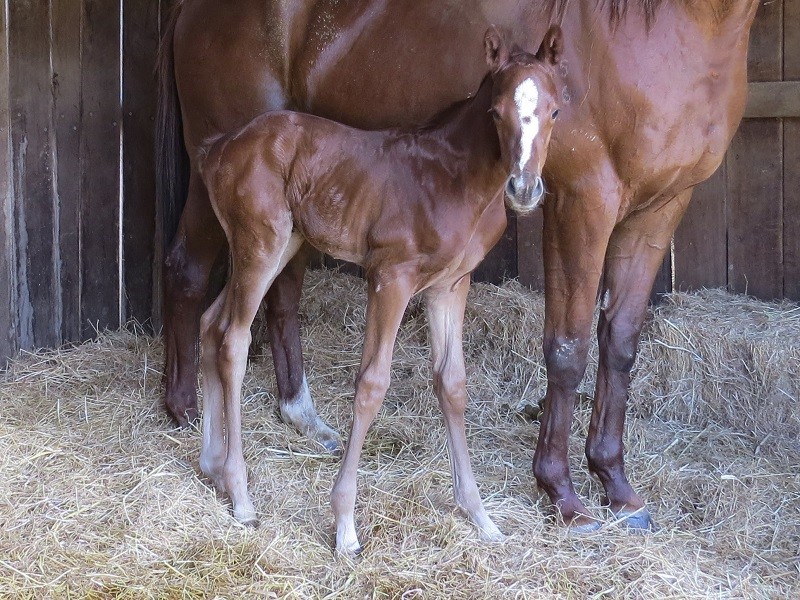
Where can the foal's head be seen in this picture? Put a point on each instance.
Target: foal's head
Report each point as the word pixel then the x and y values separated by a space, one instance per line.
pixel 524 109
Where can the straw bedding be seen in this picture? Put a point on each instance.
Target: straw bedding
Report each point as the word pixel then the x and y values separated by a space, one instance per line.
pixel 101 498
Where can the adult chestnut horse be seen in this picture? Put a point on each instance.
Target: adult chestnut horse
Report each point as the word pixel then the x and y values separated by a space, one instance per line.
pixel 652 92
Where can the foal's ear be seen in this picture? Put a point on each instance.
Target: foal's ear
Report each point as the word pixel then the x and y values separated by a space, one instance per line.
pixel 496 50
pixel 552 46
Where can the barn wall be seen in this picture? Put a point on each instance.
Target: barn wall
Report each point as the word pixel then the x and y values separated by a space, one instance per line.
pixel 78 217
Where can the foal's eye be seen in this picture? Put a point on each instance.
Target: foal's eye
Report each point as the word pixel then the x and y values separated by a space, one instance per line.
pixel 555 113
pixel 494 113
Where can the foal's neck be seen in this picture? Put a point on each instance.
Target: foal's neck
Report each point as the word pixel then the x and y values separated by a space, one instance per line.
pixel 470 132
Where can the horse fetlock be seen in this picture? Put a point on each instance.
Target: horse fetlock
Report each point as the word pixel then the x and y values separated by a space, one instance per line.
pixel 300 413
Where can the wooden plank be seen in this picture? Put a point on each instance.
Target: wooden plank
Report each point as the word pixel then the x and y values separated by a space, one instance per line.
pixel 791 157
pixel 755 171
pixel 663 281
pixel 530 267
pixel 755 209
pixel 100 181
pixel 32 137
pixel 764 59
pixel 773 99
pixel 501 261
pixel 701 254
pixel 8 332
pixel 791 209
pixel 139 50
pixel 66 90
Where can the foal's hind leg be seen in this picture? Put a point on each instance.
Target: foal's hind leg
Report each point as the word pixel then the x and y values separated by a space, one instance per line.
pixel 297 408
pixel 445 320
pixel 635 253
pixel 385 306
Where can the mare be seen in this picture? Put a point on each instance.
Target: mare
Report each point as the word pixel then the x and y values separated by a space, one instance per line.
pixel 417 210
pixel 651 94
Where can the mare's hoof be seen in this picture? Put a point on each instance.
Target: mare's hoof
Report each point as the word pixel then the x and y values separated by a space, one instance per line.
pixel 636 520
pixel 331 443
pixel 185 416
pixel 583 525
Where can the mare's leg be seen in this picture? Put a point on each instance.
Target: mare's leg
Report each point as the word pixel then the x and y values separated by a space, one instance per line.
pixel 386 303
pixel 187 264
pixel 635 253
pixel 445 308
pixel 297 408
pixel 575 240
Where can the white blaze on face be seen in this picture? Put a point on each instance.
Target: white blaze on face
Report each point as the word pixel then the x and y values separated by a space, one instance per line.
pixel 526 97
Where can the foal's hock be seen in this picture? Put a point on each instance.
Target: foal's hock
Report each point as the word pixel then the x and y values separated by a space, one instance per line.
pixel 418 210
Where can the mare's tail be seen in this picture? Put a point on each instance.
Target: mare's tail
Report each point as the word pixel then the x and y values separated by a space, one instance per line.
pixel 172 161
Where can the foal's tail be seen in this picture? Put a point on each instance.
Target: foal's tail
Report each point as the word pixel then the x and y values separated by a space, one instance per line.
pixel 172 161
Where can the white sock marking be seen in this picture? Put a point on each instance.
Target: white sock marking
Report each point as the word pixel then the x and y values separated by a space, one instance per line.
pixel 526 96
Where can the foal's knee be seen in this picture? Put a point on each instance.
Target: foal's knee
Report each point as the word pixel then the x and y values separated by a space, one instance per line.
pixel 451 389
pixel 371 387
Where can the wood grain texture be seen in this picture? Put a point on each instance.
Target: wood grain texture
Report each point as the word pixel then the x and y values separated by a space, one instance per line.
pixel 139 51
pixel 529 250
pixel 38 286
pixel 66 91
pixel 773 99
pixel 701 253
pixel 8 305
pixel 100 178
pixel 791 157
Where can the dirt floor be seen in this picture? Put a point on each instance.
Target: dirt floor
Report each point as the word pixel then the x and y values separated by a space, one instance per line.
pixel 100 497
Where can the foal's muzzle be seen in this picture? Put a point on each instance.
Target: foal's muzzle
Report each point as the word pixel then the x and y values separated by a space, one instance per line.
pixel 523 194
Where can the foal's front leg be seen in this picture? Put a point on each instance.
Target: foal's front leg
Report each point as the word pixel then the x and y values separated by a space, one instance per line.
pixel 445 308
pixel 386 303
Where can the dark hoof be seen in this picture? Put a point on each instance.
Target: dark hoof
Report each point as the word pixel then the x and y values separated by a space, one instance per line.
pixel 583 525
pixel 637 520
pixel 333 446
pixel 186 418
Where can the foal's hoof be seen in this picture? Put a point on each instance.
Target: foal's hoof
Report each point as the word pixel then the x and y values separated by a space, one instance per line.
pixel 350 552
pixel 636 520
pixel 247 518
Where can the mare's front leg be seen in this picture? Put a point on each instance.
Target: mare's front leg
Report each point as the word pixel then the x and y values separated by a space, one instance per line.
pixel 187 265
pixel 388 296
pixel 283 326
pixel 576 231
pixel 634 255
pixel 445 307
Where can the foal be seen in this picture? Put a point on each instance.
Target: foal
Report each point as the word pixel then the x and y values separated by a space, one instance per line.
pixel 418 210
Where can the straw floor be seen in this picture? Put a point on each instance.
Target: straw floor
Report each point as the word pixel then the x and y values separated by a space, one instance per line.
pixel 100 497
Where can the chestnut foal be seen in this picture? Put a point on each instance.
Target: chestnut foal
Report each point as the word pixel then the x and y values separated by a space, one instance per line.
pixel 418 210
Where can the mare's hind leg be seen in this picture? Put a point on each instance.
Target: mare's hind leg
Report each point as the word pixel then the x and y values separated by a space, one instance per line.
pixel 635 253
pixel 386 303
pixel 283 326
pixel 446 320
pixel 187 264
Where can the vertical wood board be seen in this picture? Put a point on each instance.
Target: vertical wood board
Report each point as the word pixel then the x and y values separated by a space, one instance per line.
pixel 529 250
pixel 66 91
pixel 100 178
pixel 38 285
pixel 140 48
pixel 701 255
pixel 8 309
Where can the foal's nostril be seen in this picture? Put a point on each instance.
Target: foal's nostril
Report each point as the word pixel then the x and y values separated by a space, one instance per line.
pixel 511 187
pixel 538 187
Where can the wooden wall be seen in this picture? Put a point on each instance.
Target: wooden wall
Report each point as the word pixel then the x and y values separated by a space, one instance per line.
pixel 77 229
pixel 78 219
